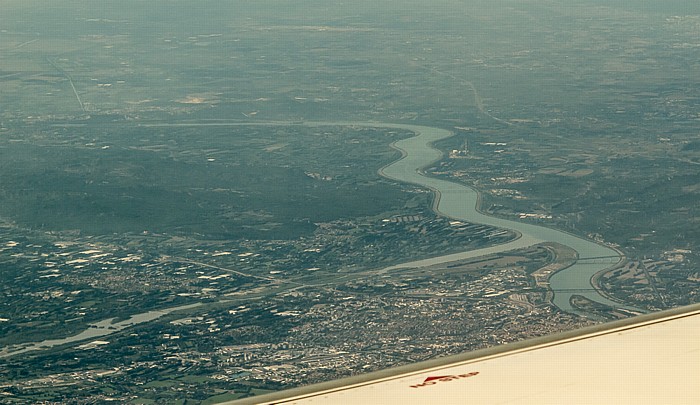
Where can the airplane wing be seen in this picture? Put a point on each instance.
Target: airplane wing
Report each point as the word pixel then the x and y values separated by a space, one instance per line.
pixel 648 359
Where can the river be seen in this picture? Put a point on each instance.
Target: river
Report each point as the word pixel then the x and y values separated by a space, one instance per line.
pixel 99 329
pixel 460 202
pixel 453 200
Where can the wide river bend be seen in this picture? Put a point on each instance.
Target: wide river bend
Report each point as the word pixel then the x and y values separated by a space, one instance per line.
pixel 452 200
pixel 460 202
